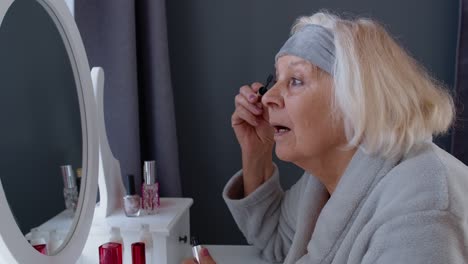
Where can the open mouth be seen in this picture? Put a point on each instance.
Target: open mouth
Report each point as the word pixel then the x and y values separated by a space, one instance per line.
pixel 281 129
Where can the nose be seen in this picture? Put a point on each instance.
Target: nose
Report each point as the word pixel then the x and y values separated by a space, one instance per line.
pixel 273 98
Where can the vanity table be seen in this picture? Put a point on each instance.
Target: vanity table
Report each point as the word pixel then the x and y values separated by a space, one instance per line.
pixel 169 228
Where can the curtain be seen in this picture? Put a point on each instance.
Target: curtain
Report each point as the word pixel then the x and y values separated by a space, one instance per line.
pixel 460 130
pixel 129 40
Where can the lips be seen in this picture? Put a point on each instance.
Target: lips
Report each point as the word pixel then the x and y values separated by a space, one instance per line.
pixel 280 129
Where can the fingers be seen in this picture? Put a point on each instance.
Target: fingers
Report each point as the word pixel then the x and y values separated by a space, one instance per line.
pixel 205 257
pixel 251 92
pixel 190 261
pixel 253 107
pixel 256 86
pixel 248 107
pixel 242 115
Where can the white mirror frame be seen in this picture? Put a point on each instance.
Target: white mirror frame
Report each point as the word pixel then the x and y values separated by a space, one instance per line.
pixel 14 248
pixel 111 188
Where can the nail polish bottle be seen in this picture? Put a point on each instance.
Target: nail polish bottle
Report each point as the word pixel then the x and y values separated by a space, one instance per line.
pixel 196 247
pixel 110 253
pixel 150 189
pixel 70 191
pixel 132 201
pixel 138 253
pixel 78 179
pixel 116 237
pixel 38 242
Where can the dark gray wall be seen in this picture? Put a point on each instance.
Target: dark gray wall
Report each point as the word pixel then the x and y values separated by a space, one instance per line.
pixel 217 46
pixel 39 113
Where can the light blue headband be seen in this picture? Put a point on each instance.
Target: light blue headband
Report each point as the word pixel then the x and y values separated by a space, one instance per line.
pixel 313 43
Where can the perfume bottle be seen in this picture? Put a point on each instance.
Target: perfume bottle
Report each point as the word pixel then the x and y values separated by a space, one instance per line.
pixel 150 188
pixel 70 191
pixel 132 201
pixel 38 242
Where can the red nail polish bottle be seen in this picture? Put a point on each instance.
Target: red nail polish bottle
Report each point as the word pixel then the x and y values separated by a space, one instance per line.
pixel 138 253
pixel 110 253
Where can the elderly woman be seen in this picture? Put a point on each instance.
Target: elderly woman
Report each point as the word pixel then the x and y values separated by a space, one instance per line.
pixel 357 113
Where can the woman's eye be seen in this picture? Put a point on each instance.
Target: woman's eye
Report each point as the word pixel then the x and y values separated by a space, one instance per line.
pixel 295 82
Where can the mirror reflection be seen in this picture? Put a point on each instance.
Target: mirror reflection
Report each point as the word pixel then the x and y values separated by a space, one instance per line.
pixel 41 147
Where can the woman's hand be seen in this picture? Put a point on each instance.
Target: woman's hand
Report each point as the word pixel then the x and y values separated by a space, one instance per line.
pixel 255 136
pixel 205 258
pixel 250 121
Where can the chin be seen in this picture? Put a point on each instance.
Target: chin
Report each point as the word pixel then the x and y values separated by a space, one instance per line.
pixel 284 154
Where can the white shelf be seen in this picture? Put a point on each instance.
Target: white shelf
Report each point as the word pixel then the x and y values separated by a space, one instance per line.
pixel 168 215
pixel 167 227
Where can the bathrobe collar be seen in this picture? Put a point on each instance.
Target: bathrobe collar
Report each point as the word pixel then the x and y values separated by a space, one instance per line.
pixel 361 175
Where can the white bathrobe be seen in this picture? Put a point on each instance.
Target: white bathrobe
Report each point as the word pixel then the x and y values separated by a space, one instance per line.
pixel 414 210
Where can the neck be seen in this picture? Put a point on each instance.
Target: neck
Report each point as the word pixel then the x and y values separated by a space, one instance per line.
pixel 329 167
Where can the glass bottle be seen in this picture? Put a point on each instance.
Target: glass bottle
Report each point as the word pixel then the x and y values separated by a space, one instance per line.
pixel 116 237
pixel 78 178
pixel 139 253
pixel 132 201
pixel 150 189
pixel 70 190
pixel 110 253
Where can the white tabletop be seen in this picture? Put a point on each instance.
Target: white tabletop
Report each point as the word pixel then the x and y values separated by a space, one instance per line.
pixel 227 254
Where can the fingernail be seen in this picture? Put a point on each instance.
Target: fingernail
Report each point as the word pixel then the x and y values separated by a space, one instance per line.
pixel 204 252
pixel 252 97
pixel 259 110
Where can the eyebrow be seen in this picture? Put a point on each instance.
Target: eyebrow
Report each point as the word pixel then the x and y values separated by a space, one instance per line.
pixel 294 63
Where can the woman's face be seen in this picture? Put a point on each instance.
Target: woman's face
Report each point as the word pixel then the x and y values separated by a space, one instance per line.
pixel 299 108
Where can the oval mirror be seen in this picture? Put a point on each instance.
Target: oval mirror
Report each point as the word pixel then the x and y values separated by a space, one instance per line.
pixel 47 139
pixel 40 105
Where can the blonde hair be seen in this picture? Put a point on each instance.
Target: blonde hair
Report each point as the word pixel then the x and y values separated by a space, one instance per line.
pixel 387 101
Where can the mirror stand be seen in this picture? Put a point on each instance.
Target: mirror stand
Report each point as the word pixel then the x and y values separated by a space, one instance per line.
pixel 111 188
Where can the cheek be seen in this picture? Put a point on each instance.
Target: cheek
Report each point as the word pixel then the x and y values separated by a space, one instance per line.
pixel 314 126
pixel 312 130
